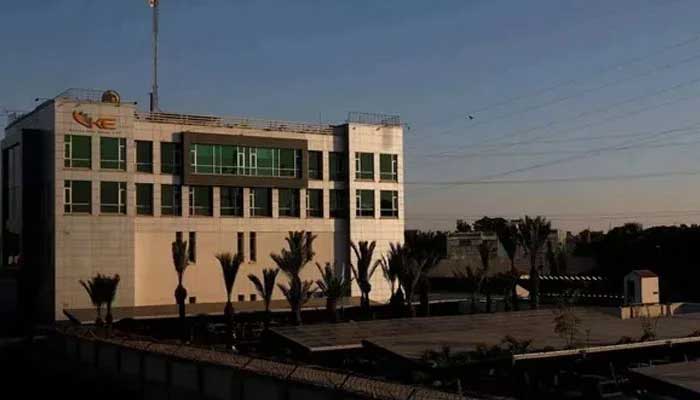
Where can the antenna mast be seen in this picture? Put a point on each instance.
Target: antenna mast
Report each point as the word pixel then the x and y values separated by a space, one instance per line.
pixel 154 89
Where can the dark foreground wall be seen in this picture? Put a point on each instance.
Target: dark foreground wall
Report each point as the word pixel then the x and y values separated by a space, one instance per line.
pixel 172 371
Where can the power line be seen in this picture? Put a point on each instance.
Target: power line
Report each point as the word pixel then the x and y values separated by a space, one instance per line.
pixel 569 82
pixel 555 180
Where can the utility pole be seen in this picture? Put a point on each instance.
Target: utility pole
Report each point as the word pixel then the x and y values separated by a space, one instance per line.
pixel 154 89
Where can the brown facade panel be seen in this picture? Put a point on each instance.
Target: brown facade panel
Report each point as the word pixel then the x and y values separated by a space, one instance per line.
pixel 190 178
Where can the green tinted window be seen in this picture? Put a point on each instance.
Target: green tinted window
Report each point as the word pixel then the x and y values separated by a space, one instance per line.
pixel 364 203
pixel 77 197
pixel 389 203
pixel 144 156
pixel 288 202
pixel 364 166
pixel 388 167
pixel 260 202
pixel 231 201
pixel 170 200
pixel 170 158
pixel 315 165
pixel 113 153
pixel 338 207
pixel 113 197
pixel 77 151
pixel 265 162
pixel 337 166
pixel 314 203
pixel 201 201
pixel 144 198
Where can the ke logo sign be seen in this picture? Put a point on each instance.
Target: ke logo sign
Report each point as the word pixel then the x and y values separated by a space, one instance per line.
pixel 90 123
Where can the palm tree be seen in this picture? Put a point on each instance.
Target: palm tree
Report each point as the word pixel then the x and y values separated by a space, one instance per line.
pixel 471 278
pixel 291 261
pixel 364 270
pixel 391 265
pixel 333 285
pixel 93 291
pixel 110 292
pixel 230 265
pixel 427 249
pixel 533 235
pixel 408 272
pixel 485 256
pixel 102 289
pixel 265 289
pixel 509 238
pixel 180 261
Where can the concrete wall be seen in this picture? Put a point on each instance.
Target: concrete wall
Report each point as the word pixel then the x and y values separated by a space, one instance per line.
pixel 164 371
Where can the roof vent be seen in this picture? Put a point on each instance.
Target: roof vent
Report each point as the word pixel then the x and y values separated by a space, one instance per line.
pixel 111 96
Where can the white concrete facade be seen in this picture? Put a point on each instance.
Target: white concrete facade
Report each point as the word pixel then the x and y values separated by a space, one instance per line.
pixel 137 247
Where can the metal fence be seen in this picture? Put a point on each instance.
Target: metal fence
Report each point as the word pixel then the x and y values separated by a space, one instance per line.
pixel 373 119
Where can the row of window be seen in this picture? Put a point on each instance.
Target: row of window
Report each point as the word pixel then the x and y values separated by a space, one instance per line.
pixel 78 199
pixel 226 160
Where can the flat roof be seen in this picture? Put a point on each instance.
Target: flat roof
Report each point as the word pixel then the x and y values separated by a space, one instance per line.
pixel 682 379
pixel 410 338
pixel 88 315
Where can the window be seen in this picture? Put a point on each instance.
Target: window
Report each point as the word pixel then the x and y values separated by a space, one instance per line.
pixel 170 200
pixel 315 165
pixel 77 197
pixel 260 202
pixel 232 201
pixel 364 203
pixel 389 167
pixel 77 151
pixel 144 156
pixel 178 236
pixel 113 197
pixel 144 198
pixel 253 297
pixel 241 297
pixel 240 245
pixel 288 202
pixel 192 248
pixel 170 158
pixel 253 246
pixel 201 201
pixel 113 153
pixel 364 166
pixel 389 203
pixel 338 200
pixel 217 159
pixel 314 203
pixel 337 166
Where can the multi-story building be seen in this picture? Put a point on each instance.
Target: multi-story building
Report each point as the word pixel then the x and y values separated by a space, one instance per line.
pixel 92 185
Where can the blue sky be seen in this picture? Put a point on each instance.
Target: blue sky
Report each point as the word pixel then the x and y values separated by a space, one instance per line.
pixel 560 77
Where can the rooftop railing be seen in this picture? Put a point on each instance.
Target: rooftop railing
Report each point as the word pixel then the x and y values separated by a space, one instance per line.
pixel 233 122
pixel 373 119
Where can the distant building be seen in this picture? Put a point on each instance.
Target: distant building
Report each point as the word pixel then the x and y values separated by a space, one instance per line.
pixel 90 184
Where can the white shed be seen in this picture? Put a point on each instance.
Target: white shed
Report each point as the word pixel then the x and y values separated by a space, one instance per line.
pixel 641 287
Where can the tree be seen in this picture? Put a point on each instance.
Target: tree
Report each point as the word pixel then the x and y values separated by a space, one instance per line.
pixel 463 226
pixel 265 289
pixel 409 271
pixel 487 224
pixel 102 289
pixel 552 259
pixel 567 324
pixel 181 261
pixel 533 235
pixel 291 262
pixel 509 237
pixel 485 256
pixel 333 285
pixel 392 265
pixel 471 279
pixel 230 265
pixel 427 249
pixel 363 270
pixel 562 262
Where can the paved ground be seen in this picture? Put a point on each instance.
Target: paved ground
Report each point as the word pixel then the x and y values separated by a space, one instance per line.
pixel 410 338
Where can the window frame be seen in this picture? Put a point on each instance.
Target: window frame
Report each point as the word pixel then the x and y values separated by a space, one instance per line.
pixel 144 167
pixel 252 207
pixel 392 212
pixel 364 172
pixel 176 201
pixel 69 204
pixel 292 211
pixel 121 203
pixel 237 210
pixel 317 172
pixel 336 196
pixel 68 159
pixel 360 211
pixel 193 206
pixel 338 166
pixel 319 209
pixel 175 150
pixel 393 174
pixel 146 210
pixel 121 154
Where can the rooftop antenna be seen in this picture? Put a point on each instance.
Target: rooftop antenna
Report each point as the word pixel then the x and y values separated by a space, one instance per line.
pixel 154 89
